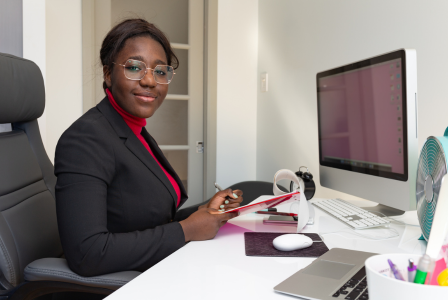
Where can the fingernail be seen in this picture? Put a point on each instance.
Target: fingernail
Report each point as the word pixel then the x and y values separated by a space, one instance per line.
pixel 226 202
pixel 235 195
pixel 221 206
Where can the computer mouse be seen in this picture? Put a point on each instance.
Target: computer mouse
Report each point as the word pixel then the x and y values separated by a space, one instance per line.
pixel 291 242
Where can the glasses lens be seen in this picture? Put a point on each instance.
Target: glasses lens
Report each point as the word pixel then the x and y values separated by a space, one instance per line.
pixel 134 69
pixel 163 74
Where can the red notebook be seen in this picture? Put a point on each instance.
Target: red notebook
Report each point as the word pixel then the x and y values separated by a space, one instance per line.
pixel 267 203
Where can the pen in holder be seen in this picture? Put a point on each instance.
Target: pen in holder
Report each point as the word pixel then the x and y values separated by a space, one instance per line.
pixel 383 285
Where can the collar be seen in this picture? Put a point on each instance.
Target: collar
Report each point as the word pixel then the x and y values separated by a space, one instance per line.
pixel 135 123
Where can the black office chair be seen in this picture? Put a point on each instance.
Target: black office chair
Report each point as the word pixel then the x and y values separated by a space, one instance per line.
pixel 254 189
pixel 31 262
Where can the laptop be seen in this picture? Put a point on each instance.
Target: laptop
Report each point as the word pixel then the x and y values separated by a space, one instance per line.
pixel 338 274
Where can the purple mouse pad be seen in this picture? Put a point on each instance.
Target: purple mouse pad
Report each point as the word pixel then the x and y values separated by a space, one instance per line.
pixel 260 244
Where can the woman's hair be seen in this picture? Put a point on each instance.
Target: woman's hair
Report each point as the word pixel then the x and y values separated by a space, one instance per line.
pixel 131 28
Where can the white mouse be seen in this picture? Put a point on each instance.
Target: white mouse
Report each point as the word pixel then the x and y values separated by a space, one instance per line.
pixel 291 242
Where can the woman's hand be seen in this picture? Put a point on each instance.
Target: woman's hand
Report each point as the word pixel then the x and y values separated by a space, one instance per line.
pixel 204 224
pixel 226 198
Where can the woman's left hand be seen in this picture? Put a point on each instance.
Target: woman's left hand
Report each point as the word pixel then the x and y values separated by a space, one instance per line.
pixel 225 198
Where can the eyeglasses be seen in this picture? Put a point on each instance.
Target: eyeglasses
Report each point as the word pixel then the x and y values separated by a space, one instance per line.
pixel 136 70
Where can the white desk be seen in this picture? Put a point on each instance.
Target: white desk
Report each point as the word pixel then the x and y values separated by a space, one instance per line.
pixel 219 268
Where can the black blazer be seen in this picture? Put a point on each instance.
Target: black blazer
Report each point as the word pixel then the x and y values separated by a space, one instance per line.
pixel 116 208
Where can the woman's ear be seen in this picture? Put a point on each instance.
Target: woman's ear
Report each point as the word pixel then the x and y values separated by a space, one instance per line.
pixel 106 76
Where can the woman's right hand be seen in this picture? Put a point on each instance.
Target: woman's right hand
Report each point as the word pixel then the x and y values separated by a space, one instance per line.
pixel 204 224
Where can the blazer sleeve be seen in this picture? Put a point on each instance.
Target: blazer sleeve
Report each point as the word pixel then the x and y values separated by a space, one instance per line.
pixel 85 166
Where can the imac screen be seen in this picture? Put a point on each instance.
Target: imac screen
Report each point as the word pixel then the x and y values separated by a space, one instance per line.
pixel 362 117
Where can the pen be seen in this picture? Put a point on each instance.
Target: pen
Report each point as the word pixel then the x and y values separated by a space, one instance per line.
pixel 411 270
pixel 276 213
pixel 269 209
pixel 396 273
pixel 227 201
pixel 422 269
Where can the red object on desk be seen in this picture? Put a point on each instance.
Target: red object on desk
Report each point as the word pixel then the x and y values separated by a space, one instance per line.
pixel 439 267
pixel 272 202
pixel 273 213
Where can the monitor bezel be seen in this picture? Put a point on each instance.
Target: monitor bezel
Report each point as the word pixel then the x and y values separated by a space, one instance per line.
pixel 357 65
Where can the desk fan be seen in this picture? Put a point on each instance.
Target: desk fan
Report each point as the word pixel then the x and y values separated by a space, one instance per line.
pixel 432 166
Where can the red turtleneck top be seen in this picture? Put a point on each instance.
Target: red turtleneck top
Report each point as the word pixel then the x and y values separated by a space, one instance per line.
pixel 136 124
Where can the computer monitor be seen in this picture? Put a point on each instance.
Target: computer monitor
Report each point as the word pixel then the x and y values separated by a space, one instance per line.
pixel 367 120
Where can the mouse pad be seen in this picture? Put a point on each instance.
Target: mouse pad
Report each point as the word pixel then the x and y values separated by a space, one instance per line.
pixel 260 244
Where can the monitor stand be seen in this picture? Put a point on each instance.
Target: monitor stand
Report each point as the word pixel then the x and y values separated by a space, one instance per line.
pixel 384 209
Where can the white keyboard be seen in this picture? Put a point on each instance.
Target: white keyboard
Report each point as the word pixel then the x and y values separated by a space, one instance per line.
pixel 353 216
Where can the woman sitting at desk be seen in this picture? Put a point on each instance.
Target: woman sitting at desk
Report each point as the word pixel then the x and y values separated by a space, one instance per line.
pixel 117 196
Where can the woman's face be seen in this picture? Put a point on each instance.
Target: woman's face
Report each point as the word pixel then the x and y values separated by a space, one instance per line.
pixel 140 98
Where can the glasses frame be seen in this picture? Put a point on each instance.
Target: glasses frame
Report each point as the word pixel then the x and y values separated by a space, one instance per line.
pixel 146 71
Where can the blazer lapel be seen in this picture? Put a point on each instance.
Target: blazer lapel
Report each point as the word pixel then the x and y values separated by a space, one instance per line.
pixel 164 162
pixel 134 145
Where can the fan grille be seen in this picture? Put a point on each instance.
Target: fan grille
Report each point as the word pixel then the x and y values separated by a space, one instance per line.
pixel 431 164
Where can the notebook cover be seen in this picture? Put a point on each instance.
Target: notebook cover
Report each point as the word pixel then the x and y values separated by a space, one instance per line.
pixel 260 204
pixel 260 244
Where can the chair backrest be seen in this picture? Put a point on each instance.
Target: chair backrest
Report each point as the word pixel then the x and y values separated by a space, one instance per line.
pixel 28 225
pixel 254 189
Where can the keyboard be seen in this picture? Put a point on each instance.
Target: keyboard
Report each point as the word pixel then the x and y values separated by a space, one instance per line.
pixel 352 215
pixel 355 288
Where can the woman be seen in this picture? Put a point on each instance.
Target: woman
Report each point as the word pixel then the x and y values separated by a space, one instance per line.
pixel 117 196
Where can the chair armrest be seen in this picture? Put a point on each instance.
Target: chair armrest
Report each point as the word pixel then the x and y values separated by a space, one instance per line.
pixel 4 283
pixel 56 269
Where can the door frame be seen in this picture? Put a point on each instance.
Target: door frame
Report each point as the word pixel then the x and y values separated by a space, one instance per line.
pixel 210 95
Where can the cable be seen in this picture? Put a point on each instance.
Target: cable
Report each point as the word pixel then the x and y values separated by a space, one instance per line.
pixel 398 221
pixel 392 231
pixel 403 223
pixel 373 237
pixel 377 237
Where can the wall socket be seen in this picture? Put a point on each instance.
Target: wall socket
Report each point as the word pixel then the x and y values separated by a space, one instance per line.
pixel 264 82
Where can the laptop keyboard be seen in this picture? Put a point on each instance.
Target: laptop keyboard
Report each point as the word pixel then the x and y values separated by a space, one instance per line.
pixel 355 288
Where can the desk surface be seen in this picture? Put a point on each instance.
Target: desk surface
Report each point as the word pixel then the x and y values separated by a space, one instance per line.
pixel 219 268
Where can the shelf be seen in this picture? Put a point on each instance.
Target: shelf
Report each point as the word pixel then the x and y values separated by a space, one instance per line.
pixel 180 46
pixel 177 97
pixel 174 147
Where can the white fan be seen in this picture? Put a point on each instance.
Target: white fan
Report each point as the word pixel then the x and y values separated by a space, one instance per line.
pixel 432 166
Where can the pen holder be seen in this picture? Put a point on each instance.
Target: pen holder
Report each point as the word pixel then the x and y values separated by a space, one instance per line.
pixel 383 286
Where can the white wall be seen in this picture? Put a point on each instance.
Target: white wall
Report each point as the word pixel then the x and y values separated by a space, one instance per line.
pixel 298 38
pixel 11 33
pixel 34 46
pixel 52 39
pixel 236 91
pixel 63 68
